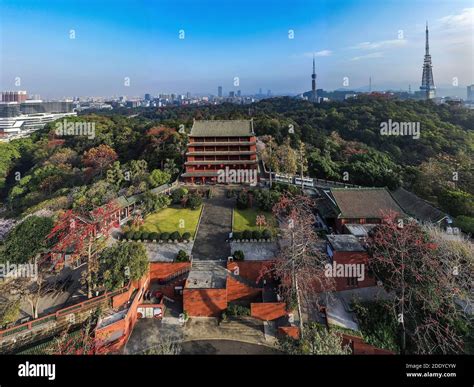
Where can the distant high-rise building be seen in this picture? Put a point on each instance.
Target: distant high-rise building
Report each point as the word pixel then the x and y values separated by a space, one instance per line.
pixel 260 91
pixel 239 93
pixel 147 97
pixel 470 93
pixel 314 94
pixel 231 94
pixel 427 87
pixel 188 95
pixel 14 96
pixel 219 91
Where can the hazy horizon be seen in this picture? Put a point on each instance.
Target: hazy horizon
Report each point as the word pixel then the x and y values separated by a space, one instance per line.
pixel 141 41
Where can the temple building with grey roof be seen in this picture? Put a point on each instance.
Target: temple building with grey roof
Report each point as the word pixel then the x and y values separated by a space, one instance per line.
pixel 215 146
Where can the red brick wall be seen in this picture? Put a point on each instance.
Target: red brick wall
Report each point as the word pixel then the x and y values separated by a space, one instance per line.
pixel 249 270
pixel 161 270
pixel 204 302
pixel 359 347
pixel 347 257
pixel 268 311
pixel 292 332
pixel 120 299
pixel 238 291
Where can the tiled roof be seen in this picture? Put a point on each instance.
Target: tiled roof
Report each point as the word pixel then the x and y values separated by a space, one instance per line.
pixel 417 207
pixel 220 153
pixel 200 173
pixel 219 162
pixel 345 242
pixel 222 128
pixel 364 202
pixel 359 230
pixel 221 143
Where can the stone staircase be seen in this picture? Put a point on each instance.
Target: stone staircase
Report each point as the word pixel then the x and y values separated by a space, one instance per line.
pixel 246 328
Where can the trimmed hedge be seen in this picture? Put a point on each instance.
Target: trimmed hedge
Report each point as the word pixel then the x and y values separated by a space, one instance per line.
pixel 256 234
pixel 182 256
pixel 237 310
pixel 175 236
pixel 239 255
pixel 154 236
pixel 186 236
pixel 247 234
pixel 266 234
pixel 165 236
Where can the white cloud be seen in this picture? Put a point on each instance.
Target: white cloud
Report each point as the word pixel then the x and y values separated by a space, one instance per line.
pixel 369 56
pixel 323 53
pixel 380 45
pixel 462 20
pixel 318 53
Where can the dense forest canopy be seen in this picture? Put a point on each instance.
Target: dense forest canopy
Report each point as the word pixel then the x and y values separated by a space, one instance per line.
pixel 340 138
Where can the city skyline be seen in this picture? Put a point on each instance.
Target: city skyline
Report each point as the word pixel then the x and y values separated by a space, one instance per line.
pixel 351 40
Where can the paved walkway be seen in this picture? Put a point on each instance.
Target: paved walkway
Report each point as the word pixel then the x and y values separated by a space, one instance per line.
pixel 226 347
pixel 214 229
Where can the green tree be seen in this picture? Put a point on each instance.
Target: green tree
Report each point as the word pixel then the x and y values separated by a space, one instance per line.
pixel 9 312
pixel 27 239
pixel 158 177
pixel 316 340
pixel 194 201
pixel 122 262
pixel 153 202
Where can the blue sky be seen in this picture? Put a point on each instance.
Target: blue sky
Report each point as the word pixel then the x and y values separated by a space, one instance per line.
pixel 226 39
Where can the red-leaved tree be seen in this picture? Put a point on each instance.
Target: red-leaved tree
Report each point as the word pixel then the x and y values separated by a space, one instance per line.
pixel 301 260
pixel 79 236
pixel 424 285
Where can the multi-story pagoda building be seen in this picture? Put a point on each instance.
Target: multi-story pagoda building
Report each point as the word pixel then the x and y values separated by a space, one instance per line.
pixel 218 149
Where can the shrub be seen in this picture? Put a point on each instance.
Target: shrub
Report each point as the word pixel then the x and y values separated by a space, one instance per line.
pixel 178 194
pixel 242 200
pixel 145 235
pixel 247 234
pixel 154 236
pixel 165 236
pixel 194 201
pixel 465 223
pixel 239 255
pixel 266 234
pixel 137 236
pixel 267 199
pixel 256 234
pixel 130 235
pixel 175 236
pixel 238 310
pixel 186 236
pixel 182 256
pixel 237 235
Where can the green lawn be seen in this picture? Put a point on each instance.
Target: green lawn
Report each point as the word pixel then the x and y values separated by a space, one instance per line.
pixel 170 219
pixel 246 220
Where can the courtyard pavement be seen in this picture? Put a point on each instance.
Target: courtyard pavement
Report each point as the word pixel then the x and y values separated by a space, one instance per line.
pixel 166 252
pixel 215 227
pixel 256 251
